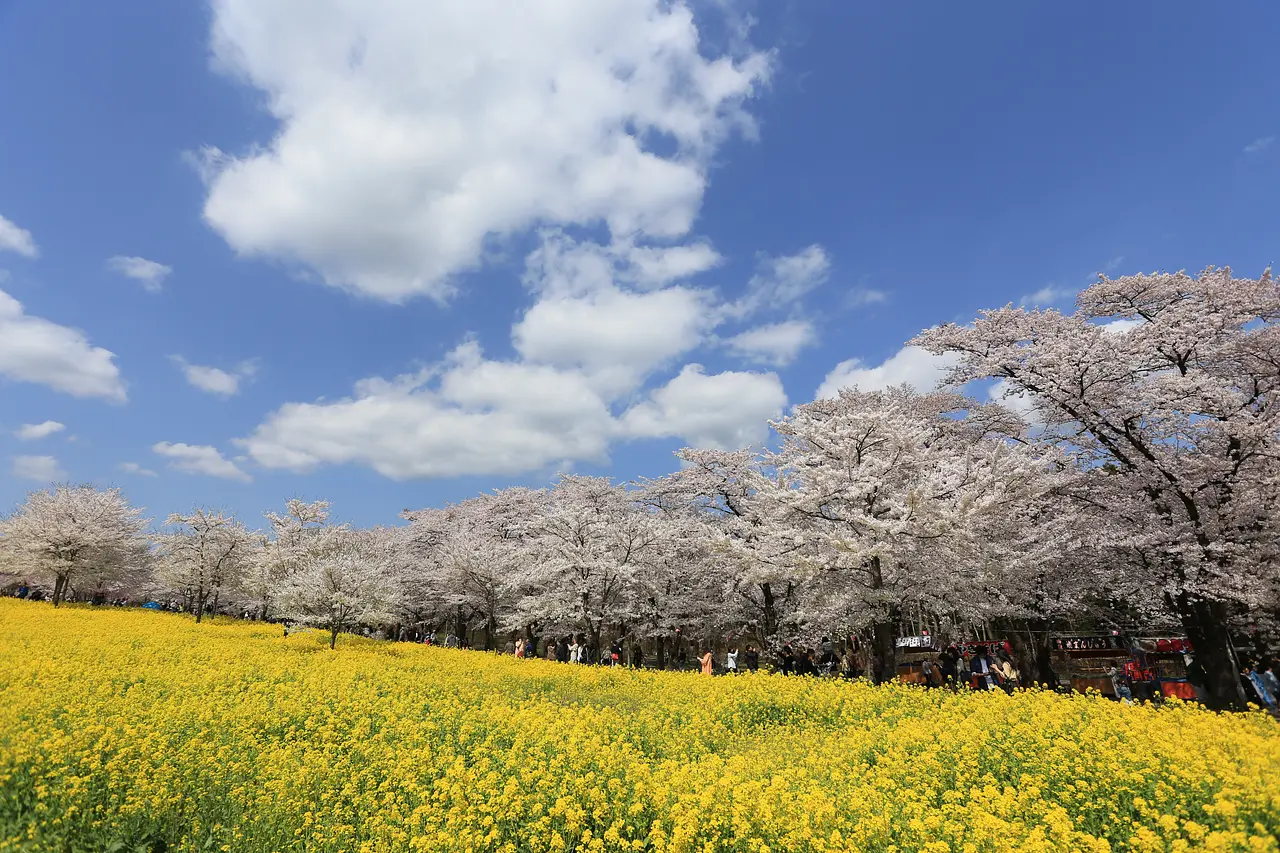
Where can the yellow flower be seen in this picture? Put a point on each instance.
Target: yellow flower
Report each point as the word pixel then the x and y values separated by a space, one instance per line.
pixel 136 727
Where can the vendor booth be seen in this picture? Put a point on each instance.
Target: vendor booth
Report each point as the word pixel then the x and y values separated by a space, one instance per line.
pixel 1154 666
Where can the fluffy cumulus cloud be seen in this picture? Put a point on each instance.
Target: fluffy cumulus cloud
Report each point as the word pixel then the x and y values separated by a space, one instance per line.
pixel 473 415
pixel 200 459
pixel 908 366
pixel 411 135
pixel 775 343
pixel 150 274
pixel 723 410
pixel 469 416
pixel 15 239
pixel 40 469
pixel 33 349
pixel 414 137
pixel 215 380
pixel 616 337
pixel 31 432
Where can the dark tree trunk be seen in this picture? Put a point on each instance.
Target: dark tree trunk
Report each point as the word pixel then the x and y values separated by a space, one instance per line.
pixel 770 607
pixel 1040 647
pixel 200 595
pixel 593 633
pixel 333 636
pixel 1206 625
pixel 884 634
pixel 885 648
pixel 59 587
pixel 660 652
pixel 490 629
pixel 459 625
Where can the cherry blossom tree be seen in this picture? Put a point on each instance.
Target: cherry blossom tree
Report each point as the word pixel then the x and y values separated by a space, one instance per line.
pixel 1163 388
pixel 350 584
pixel 468 557
pixel 720 490
pixel 67 532
pixel 589 538
pixel 883 495
pixel 298 534
pixel 207 554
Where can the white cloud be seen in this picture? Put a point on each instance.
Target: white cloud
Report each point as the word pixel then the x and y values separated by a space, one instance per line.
pixel 135 468
pixel 467 416
pixel 15 239
pixel 1259 145
pixel 470 415
pixel 779 283
pixel 215 380
pixel 725 410
pixel 652 265
pixel 30 432
pixel 35 350
pixel 200 459
pixel 910 365
pixel 777 343
pixel 1019 402
pixel 411 133
pixel 1045 297
pixel 1122 325
pixel 150 273
pixel 614 336
pixel 862 296
pixel 1113 264
pixel 42 469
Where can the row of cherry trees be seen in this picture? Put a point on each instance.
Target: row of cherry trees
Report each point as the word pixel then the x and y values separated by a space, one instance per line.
pixel 1129 472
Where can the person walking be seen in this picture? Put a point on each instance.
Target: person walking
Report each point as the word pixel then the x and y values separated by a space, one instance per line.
pixel 1267 672
pixel 787 660
pixel 849 664
pixel 1008 675
pixel 980 669
pixel 1120 686
pixel 927 674
pixel 805 665
pixel 949 665
pixel 705 661
pixel 1256 687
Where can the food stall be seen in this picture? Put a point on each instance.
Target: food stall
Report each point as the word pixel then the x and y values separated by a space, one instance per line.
pixel 1085 661
pixel 1153 665
pixel 1162 660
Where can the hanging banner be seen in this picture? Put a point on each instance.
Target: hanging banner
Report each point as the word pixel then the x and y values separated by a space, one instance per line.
pixel 1085 644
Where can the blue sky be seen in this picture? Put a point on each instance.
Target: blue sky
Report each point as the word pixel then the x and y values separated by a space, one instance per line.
pixel 435 248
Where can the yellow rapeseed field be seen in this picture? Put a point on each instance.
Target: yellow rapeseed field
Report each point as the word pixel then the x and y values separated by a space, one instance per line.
pixel 124 730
